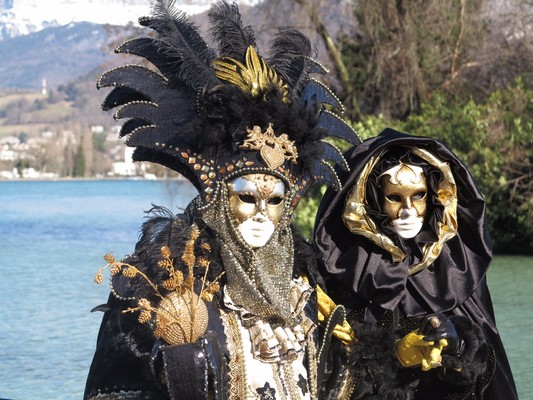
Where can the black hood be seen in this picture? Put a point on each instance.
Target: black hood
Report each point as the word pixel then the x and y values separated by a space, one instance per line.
pixel 367 270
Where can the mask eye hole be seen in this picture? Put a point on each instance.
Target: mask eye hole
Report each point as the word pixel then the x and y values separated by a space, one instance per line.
pixel 419 196
pixel 274 201
pixel 394 198
pixel 247 198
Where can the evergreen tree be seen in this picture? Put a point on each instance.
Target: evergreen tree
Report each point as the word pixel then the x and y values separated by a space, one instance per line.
pixel 79 162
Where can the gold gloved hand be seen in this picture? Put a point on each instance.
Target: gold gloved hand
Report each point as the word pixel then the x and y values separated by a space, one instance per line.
pixel 413 350
pixel 326 306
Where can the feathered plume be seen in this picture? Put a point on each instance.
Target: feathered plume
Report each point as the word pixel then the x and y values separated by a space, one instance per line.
pixel 228 33
pixel 182 54
pixel 195 112
pixel 291 54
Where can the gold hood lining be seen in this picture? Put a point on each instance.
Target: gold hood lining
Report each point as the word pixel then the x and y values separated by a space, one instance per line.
pixel 357 220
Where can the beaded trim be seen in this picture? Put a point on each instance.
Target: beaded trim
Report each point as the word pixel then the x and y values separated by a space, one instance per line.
pixel 122 395
pixel 312 367
pixel 237 376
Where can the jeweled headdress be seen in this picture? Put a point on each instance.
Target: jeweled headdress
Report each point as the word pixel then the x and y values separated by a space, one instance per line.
pixel 211 115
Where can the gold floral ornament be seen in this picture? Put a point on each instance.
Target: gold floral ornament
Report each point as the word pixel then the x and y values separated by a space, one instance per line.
pixel 273 149
pixel 256 77
pixel 181 315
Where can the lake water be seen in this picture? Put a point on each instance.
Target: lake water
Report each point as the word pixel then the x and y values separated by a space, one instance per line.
pixel 53 236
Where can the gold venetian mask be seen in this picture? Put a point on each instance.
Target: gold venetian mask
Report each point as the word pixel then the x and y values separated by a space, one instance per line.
pixel 404 194
pixel 257 206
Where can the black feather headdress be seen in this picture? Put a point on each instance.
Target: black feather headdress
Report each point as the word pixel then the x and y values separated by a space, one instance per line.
pixel 212 115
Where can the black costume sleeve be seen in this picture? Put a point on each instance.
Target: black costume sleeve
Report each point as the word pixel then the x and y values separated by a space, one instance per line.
pixel 129 363
pixel 121 365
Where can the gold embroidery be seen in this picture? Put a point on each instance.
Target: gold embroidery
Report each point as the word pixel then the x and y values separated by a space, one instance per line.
pixel 282 392
pixel 237 377
pixel 312 367
pixel 291 382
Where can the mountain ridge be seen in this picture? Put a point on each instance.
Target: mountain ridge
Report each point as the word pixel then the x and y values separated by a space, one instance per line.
pixel 55 55
pixel 22 17
pixel 39 47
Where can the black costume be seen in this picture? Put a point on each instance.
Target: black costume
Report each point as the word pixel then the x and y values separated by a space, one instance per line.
pixel 386 299
pixel 130 363
pixel 198 311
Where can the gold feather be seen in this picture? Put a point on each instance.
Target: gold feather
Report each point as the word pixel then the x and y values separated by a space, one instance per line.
pixel 255 77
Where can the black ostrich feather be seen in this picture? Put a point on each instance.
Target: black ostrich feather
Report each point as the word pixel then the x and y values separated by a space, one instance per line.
pixel 333 154
pixel 153 50
pixel 120 96
pixel 133 125
pixel 290 56
pixel 134 77
pixel 186 56
pixel 338 128
pixel 322 94
pixel 228 33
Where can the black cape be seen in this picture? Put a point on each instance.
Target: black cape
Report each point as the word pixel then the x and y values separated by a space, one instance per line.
pixel 454 284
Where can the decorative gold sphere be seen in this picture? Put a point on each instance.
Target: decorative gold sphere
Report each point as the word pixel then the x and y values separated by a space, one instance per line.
pixel 181 318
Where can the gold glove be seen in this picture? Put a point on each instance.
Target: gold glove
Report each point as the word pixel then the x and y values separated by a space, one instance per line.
pixel 326 306
pixel 413 350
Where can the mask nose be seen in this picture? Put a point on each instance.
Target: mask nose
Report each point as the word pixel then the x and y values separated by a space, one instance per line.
pixel 407 212
pixel 262 206
pixel 261 215
pixel 407 203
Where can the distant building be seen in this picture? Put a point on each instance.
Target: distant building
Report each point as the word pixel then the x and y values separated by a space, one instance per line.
pixel 13 174
pixel 10 140
pixel 7 155
pixel 126 167
pixel 97 129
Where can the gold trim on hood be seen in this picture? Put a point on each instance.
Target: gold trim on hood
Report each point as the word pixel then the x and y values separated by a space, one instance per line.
pixel 358 221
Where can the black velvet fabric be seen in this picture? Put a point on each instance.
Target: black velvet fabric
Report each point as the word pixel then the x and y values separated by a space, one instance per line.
pixel 363 276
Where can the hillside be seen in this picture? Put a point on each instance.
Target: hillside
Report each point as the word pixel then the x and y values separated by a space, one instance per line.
pixel 56 54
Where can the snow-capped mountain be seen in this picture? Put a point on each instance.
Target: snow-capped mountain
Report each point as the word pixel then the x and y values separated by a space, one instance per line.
pixel 60 40
pixel 21 17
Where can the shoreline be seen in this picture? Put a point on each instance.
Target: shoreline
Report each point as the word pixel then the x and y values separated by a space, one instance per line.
pixel 70 179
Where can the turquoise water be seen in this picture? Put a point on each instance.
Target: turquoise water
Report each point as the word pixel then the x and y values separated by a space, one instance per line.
pixel 510 280
pixel 53 236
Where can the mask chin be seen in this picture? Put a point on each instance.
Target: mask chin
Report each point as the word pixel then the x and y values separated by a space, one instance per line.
pixel 407 228
pixel 256 231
